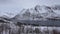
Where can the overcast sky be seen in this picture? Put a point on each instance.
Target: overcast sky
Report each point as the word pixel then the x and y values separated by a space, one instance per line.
pixel 15 6
pixel 28 3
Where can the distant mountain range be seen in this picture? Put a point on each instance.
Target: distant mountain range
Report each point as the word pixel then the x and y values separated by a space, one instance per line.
pixel 38 13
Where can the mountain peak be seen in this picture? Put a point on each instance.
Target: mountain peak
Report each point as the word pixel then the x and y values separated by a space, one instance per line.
pixel 37 12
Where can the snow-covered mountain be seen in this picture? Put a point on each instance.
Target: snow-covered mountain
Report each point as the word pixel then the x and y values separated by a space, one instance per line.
pixel 37 13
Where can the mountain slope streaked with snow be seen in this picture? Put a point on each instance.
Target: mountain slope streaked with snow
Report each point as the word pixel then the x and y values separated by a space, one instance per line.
pixel 37 13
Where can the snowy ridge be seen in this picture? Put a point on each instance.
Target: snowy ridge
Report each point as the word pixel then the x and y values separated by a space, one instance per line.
pixel 38 13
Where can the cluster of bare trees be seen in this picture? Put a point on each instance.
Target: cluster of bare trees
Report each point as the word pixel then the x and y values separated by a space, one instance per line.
pixel 26 29
pixel 9 27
